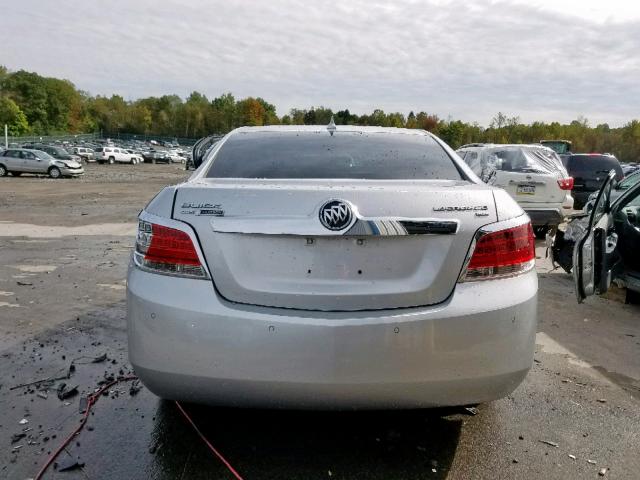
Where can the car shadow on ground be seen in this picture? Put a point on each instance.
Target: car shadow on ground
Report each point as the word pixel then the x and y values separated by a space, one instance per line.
pixel 270 444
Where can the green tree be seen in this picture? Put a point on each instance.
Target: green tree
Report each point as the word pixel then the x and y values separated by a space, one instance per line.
pixel 13 117
pixel 297 116
pixel 344 117
pixel 28 91
pixel 411 120
pixel 224 118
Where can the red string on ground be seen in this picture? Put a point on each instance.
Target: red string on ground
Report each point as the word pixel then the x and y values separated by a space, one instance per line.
pixel 211 447
pixel 91 400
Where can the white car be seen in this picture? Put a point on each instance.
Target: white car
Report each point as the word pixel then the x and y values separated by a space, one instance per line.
pixel 115 155
pixel 175 156
pixel 134 158
pixel 332 267
pixel 532 174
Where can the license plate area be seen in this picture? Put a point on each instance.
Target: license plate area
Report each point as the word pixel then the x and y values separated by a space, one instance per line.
pixel 326 260
pixel 526 189
pixel 336 257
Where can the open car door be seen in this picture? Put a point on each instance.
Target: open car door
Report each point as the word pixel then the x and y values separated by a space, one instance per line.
pixel 591 265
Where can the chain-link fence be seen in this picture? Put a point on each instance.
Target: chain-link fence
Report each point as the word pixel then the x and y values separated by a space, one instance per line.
pixel 73 138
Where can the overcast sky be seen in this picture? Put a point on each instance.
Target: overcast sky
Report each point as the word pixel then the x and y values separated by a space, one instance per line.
pixel 467 60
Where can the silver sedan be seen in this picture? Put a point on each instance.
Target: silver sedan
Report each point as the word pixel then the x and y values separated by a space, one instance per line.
pixel 332 267
pixel 22 160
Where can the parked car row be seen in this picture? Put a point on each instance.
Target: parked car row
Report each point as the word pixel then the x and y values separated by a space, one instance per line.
pixel 109 152
pixel 65 160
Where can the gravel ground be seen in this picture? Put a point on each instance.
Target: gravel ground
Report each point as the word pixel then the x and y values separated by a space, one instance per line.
pixel 62 301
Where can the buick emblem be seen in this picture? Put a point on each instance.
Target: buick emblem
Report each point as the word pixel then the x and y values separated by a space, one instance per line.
pixel 335 215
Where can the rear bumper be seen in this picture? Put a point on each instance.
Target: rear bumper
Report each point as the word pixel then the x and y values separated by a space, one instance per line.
pixel 186 343
pixel 550 214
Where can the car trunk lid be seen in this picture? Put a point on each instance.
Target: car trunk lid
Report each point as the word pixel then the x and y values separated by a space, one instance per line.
pixel 265 244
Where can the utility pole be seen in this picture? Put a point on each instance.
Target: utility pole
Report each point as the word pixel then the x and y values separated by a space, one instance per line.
pixel 6 136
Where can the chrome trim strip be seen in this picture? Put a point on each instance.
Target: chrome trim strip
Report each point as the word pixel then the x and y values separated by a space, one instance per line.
pixel 311 226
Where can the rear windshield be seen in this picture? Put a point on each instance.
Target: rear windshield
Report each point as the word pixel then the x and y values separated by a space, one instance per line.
pixel 590 165
pixel 353 155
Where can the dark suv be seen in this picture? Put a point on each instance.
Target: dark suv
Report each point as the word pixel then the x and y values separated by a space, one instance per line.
pixel 58 153
pixel 589 170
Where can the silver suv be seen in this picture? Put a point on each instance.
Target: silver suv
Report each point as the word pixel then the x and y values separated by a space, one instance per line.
pixel 22 160
pixel 532 174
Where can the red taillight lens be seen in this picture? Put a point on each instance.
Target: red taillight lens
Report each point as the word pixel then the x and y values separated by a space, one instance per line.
pixel 169 245
pixel 167 250
pixel 566 183
pixel 503 253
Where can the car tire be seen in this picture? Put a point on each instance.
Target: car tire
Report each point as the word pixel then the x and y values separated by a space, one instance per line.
pixel 3 171
pixel 16 174
pixel 54 172
pixel 111 160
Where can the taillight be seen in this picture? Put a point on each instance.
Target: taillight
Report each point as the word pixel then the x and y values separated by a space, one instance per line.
pixel 565 183
pixel 501 253
pixel 167 250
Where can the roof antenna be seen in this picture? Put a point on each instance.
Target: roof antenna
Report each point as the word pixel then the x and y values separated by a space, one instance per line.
pixel 332 126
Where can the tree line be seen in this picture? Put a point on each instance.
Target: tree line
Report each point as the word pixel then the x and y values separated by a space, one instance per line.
pixel 33 104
